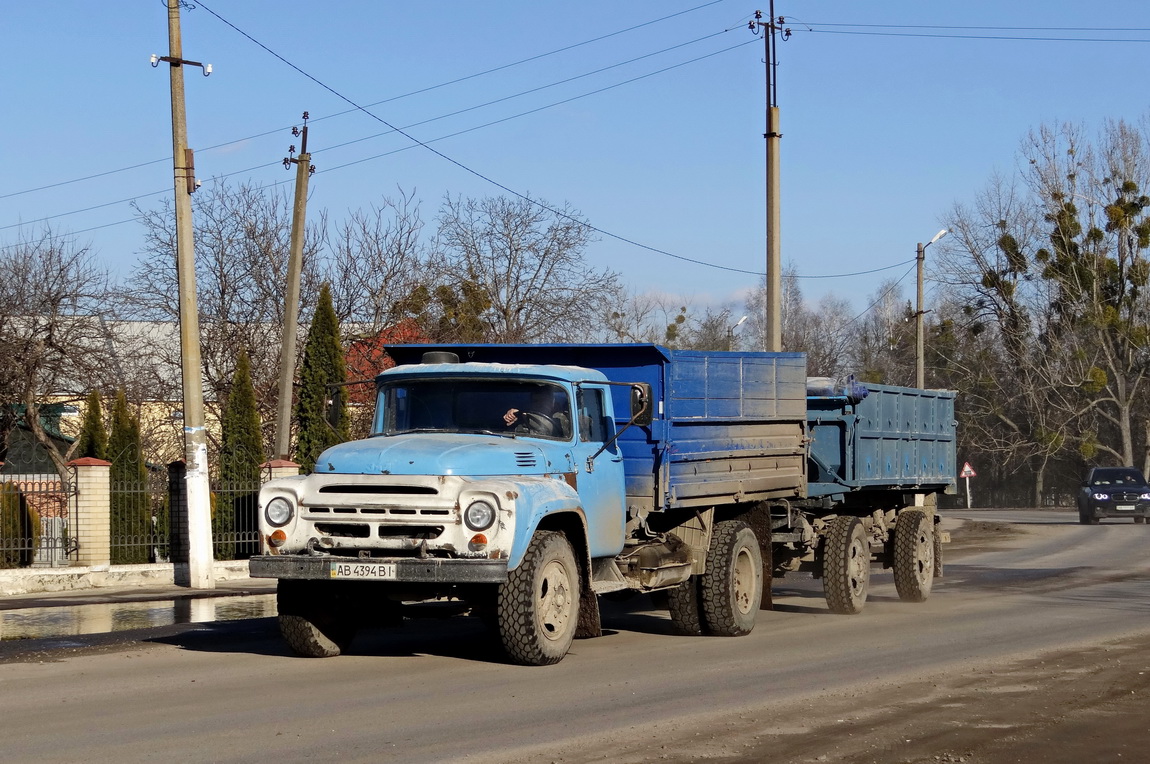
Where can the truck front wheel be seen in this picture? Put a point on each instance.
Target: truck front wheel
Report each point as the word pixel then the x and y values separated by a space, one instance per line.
pixel 312 624
pixel 913 555
pixel 538 607
pixel 731 590
pixel 846 565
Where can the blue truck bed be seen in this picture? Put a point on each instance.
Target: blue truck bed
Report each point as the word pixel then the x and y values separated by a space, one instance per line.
pixel 728 426
pixel 896 438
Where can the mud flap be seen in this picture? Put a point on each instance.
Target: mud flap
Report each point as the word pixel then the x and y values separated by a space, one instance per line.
pixel 589 623
pixel 759 519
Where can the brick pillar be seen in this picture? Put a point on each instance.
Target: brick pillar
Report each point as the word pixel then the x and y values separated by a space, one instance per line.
pixel 92 523
pixel 178 512
pixel 278 468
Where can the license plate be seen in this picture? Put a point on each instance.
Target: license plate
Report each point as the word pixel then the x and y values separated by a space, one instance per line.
pixel 1125 507
pixel 379 571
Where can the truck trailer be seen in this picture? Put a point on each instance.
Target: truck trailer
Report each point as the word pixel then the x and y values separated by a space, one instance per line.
pixel 526 480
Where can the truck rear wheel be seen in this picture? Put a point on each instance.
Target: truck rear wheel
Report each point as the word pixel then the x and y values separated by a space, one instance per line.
pixel 846 565
pixel 731 590
pixel 686 612
pixel 311 623
pixel 538 607
pixel 913 555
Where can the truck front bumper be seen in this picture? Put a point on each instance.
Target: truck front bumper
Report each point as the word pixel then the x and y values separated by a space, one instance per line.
pixel 406 569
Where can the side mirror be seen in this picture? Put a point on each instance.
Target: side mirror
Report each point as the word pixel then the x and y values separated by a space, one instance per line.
pixel 641 409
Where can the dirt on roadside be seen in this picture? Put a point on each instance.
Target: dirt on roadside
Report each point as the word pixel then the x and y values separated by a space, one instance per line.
pixel 1066 708
pixel 1074 706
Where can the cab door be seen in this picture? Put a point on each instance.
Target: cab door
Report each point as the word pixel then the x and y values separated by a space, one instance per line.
pixel 599 480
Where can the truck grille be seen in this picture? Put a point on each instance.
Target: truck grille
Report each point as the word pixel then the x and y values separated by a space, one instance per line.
pixel 524 459
pixel 380 490
pixel 377 511
pixel 359 531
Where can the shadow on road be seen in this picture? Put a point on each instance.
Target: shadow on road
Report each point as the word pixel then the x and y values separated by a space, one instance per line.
pixel 462 637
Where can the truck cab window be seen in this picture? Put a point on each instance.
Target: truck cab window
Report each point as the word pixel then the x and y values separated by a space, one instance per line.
pixel 536 408
pixel 595 425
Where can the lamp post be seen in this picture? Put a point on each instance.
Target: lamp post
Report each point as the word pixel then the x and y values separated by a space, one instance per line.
pixel 920 361
pixel 731 332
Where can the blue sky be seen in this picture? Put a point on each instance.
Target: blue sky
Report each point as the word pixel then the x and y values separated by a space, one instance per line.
pixel 885 127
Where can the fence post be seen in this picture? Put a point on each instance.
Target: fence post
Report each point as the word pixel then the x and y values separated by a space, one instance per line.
pixel 178 514
pixel 93 518
pixel 278 468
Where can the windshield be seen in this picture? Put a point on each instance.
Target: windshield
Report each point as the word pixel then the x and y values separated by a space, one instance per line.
pixel 1117 477
pixel 493 406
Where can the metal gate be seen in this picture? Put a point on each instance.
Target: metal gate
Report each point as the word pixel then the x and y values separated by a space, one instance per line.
pixel 37 520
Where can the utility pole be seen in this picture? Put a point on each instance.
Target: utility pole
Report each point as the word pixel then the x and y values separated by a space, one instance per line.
pixel 199 524
pixel 773 331
pixel 304 169
pixel 920 354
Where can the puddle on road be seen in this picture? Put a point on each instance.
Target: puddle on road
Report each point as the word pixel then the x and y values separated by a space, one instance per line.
pixel 73 620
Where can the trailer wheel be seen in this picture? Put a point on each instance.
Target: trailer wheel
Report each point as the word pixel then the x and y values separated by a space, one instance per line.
pixel 731 590
pixel 311 624
pixel 686 612
pixel 913 555
pixel 538 607
pixel 846 565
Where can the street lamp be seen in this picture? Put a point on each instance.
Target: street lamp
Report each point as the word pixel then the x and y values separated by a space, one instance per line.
pixel 920 362
pixel 731 332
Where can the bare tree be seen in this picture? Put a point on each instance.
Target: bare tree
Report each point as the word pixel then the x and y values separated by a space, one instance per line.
pixel 528 261
pixel 55 306
pixel 377 275
pixel 242 241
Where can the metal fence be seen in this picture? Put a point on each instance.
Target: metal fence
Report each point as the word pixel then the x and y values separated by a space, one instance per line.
pixel 144 526
pixel 38 516
pixel 140 517
pixel 235 530
pixel 36 513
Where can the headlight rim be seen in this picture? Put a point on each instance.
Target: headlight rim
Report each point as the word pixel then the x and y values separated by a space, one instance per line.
pixel 288 515
pixel 476 527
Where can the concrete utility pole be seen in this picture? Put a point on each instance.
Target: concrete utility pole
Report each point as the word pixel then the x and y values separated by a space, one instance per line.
pixel 199 524
pixel 773 328
pixel 920 354
pixel 304 169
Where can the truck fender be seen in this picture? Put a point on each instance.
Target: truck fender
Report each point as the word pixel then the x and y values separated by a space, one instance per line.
pixel 553 505
pixel 537 500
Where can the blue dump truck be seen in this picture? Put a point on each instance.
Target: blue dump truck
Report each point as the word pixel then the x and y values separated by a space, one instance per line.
pixel 523 481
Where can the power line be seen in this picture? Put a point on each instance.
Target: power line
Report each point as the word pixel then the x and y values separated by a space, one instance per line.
pixel 403 95
pixel 459 164
pixel 883 296
pixel 424 144
pixel 858 273
pixel 972 36
pixel 983 28
pixel 434 140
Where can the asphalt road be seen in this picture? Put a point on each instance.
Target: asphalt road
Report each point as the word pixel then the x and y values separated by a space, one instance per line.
pixel 1021 589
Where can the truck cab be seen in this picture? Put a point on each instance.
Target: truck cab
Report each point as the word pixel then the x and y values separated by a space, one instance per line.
pixel 466 464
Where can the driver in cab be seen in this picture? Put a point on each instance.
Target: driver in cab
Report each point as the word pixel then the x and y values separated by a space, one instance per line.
pixel 545 415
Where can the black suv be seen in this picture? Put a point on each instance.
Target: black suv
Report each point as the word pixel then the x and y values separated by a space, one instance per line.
pixel 1113 492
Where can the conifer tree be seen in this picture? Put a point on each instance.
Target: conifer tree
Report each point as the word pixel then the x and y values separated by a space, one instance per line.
pixel 93 437
pixel 323 365
pixel 131 516
pixel 241 454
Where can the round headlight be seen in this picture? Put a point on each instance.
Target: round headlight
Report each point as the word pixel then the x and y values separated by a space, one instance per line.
pixel 1101 496
pixel 278 511
pixel 479 515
